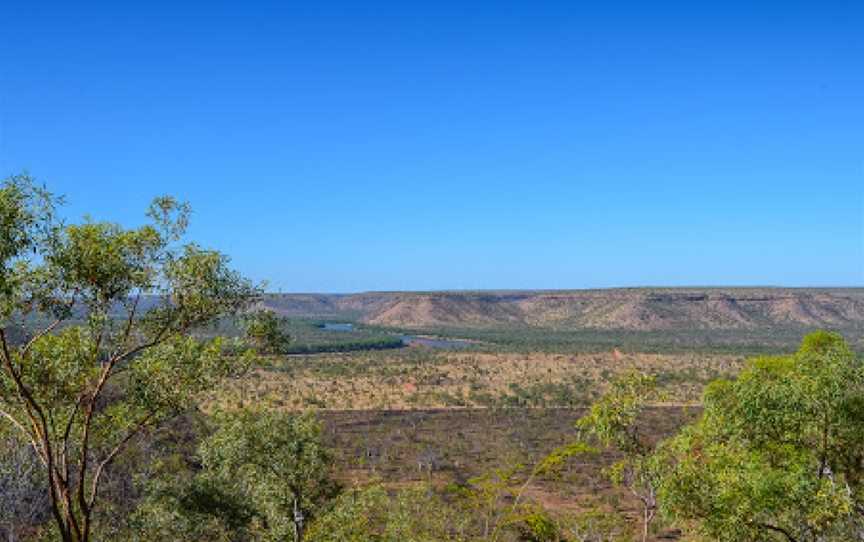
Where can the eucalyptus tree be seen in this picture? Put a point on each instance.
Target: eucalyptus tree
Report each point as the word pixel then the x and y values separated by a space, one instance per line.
pixel 113 352
pixel 374 514
pixel 778 453
pixel 277 462
pixel 264 330
pixel 613 422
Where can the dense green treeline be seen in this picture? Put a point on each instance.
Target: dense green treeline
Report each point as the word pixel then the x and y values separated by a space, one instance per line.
pixel 565 341
pixel 285 336
pixel 370 343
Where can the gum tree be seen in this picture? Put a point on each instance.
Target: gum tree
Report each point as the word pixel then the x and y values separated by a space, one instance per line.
pixel 110 353
pixel 374 514
pixel 778 453
pixel 277 462
pixel 263 329
pixel 613 422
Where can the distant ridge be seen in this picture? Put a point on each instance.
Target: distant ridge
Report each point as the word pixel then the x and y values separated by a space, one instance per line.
pixel 643 309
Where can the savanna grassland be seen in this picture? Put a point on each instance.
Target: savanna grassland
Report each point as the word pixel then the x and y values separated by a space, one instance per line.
pixel 445 416
pixel 148 391
pixel 508 393
pixel 425 378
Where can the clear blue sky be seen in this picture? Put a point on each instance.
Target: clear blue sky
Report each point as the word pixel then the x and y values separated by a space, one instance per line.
pixel 409 145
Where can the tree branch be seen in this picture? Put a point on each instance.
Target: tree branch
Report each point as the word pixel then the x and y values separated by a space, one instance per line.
pixel 780 530
pixel 112 454
pixel 132 351
pixel 20 427
pixel 130 320
pixel 30 405
pixel 46 331
pixel 66 433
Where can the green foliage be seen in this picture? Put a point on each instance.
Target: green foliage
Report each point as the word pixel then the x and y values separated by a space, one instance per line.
pixel 265 331
pixel 262 476
pixel 372 514
pixel 552 464
pixel 535 525
pixel 494 502
pixel 595 525
pixel 778 452
pixel 115 356
pixel 27 225
pixel 570 340
pixel 346 345
pixel 168 378
pixel 192 509
pixel 274 335
pixel 613 421
pixel 277 461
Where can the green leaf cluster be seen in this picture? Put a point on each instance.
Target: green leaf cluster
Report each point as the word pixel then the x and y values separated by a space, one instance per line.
pixel 108 351
pixel 778 453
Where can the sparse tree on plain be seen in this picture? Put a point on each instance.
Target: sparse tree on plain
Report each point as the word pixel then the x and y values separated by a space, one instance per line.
pixel 613 422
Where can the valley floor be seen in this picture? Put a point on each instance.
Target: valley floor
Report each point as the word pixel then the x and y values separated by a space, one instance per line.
pixel 422 378
pixel 446 416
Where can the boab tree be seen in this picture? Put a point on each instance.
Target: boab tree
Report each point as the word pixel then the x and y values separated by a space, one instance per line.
pixel 113 352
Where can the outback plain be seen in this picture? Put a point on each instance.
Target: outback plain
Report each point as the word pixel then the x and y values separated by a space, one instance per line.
pixel 149 391
pixel 444 387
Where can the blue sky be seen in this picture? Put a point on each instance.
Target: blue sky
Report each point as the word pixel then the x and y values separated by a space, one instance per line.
pixel 440 145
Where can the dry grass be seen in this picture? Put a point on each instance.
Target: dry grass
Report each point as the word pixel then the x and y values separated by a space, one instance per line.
pixel 421 378
pixel 410 415
pixel 450 446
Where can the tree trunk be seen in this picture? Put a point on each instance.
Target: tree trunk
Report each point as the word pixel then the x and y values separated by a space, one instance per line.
pixel 647 518
pixel 645 524
pixel 60 511
pixel 298 521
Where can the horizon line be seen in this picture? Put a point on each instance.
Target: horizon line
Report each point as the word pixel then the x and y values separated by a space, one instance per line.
pixel 587 289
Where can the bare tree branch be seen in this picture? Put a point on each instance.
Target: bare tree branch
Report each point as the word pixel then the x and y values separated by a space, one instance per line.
pixel 112 454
